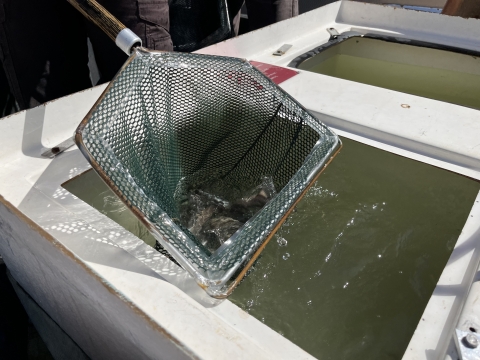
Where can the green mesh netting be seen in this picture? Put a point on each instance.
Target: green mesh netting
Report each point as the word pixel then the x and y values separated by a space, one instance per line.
pixel 173 123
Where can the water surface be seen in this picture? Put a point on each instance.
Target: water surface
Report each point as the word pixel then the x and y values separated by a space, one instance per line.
pixel 431 73
pixel 351 271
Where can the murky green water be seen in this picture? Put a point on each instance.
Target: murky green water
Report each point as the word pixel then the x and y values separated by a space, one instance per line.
pixel 363 252
pixel 431 73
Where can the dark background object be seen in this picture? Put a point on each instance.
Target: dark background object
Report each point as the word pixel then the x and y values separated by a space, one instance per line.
pixel 208 23
pixel 463 8
pixel 303 7
pixel 307 5
pixel 40 71
pixel 18 337
pixel 13 321
pixel 8 104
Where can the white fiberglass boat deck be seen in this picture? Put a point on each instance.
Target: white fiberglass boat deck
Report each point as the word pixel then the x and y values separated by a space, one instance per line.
pixel 116 297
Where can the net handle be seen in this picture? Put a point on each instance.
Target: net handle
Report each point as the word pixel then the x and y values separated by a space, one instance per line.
pixel 125 39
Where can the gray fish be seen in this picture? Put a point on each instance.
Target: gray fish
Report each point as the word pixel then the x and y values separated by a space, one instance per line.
pixel 200 218
pixel 256 199
pixel 217 230
pixel 213 220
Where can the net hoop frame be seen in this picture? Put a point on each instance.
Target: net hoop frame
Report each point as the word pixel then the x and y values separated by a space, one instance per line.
pixel 217 289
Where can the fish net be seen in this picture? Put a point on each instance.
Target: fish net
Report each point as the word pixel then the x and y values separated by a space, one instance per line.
pixel 208 152
pixel 196 24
